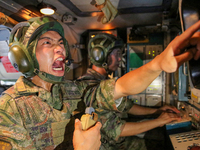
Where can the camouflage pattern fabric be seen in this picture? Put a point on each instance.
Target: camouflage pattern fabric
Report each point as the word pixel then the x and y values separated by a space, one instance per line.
pixel 93 78
pixel 127 143
pixel 112 120
pixel 28 120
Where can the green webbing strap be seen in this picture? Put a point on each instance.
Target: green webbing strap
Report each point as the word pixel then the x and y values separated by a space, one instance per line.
pixel 48 77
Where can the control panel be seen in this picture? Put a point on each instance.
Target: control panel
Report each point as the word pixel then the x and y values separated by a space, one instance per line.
pixel 185 140
pixel 192 109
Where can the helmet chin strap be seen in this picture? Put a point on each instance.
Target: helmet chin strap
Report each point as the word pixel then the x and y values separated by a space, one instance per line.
pixel 51 78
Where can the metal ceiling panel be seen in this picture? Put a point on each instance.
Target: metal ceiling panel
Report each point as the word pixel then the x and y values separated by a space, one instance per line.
pixel 139 3
pixel 10 5
pixel 143 6
pixel 84 6
pixel 115 3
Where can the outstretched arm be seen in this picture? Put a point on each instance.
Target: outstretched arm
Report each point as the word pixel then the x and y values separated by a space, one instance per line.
pixel 169 60
pixel 86 140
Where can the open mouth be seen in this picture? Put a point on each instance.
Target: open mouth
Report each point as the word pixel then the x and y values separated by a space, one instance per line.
pixel 58 64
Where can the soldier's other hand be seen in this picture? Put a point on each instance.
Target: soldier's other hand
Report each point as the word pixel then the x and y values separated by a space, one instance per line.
pixel 86 140
pixel 166 117
pixel 169 108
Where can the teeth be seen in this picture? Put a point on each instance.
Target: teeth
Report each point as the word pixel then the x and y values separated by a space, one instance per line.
pixel 57 69
pixel 59 59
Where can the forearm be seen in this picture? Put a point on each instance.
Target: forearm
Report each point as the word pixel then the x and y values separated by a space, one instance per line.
pixel 137 80
pixel 134 128
pixel 139 110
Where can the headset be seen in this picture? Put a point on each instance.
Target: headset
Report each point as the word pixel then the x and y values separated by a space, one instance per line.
pixel 18 53
pixel 101 46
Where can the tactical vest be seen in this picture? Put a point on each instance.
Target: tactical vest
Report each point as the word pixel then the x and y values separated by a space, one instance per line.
pixel 45 125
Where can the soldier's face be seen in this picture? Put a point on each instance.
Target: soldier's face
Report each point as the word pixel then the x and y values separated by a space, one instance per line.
pixel 114 59
pixel 51 53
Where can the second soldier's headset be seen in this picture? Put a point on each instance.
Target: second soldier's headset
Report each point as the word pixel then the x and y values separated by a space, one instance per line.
pixel 100 46
pixel 23 41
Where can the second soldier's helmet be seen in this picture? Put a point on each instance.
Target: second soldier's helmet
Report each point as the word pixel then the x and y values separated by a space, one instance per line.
pixel 23 42
pixel 101 46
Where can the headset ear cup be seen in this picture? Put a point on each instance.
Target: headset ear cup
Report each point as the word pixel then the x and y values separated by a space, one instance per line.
pixel 97 53
pixel 20 59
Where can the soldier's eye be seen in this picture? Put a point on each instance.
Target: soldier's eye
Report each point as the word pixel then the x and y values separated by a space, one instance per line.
pixel 61 42
pixel 47 42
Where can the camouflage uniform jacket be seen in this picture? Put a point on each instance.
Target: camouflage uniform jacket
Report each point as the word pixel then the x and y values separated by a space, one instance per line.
pixel 28 120
pixel 112 124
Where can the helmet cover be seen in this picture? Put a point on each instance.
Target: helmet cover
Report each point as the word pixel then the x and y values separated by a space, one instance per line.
pixel 101 46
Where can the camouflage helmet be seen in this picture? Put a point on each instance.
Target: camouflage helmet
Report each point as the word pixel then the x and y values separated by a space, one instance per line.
pixel 23 41
pixel 101 46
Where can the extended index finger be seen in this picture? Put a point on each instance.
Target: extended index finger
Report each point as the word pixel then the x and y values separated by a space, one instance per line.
pixel 189 32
